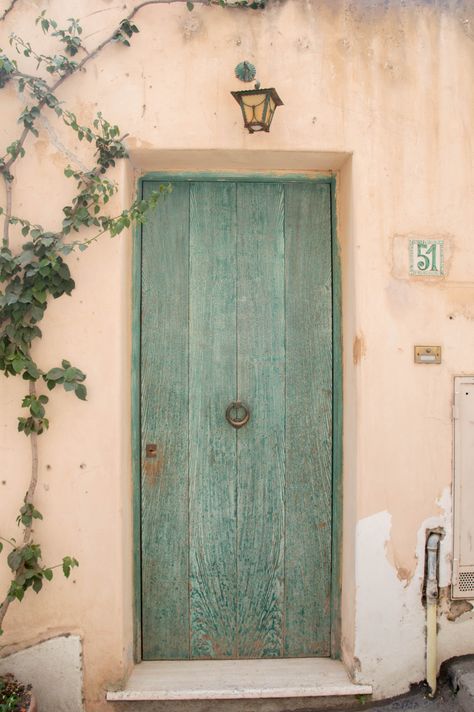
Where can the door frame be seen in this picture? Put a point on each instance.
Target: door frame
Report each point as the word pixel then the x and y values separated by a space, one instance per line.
pixel 336 522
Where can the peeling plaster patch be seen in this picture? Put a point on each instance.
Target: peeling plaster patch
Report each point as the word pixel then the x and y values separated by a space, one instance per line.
pixel 452 609
pixel 191 26
pixel 389 616
pixel 359 349
pixel 400 267
pixel 399 549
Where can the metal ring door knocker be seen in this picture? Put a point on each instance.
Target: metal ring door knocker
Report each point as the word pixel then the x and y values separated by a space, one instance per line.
pixel 237 414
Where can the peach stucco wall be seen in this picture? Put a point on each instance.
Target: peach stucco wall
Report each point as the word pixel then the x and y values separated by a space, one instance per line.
pixel 382 94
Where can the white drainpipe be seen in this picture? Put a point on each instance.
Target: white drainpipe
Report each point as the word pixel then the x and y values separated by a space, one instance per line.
pixel 432 549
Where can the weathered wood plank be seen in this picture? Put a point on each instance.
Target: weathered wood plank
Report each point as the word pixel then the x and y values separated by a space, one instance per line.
pixel 212 441
pixel 337 404
pixel 261 443
pixel 164 416
pixel 308 419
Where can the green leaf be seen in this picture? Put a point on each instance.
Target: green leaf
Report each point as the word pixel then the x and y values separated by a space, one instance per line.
pixel 28 552
pixel 40 296
pixel 48 574
pixel 14 559
pixel 69 562
pixel 54 374
pixel 190 6
pixel 37 409
pixel 37 312
pixel 81 391
pixel 15 591
pixel 18 364
pixel 24 518
pixel 32 373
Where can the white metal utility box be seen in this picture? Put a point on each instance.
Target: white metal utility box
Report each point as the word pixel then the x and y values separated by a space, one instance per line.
pixel 463 555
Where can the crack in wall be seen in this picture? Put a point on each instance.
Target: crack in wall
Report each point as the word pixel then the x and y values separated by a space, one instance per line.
pixel 57 143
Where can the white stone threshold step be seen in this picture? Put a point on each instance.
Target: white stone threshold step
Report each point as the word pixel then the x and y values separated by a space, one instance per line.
pixel 238 679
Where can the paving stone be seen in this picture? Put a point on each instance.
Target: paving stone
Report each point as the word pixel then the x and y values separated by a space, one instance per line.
pixel 418 699
pixel 460 673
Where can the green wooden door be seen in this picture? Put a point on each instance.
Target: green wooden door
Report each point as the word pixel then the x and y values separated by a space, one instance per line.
pixel 236 523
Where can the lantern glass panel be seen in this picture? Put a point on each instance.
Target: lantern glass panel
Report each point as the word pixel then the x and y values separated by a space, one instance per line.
pixel 254 108
pixel 258 107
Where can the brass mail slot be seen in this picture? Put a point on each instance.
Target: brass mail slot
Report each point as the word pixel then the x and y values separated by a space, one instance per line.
pixel 428 354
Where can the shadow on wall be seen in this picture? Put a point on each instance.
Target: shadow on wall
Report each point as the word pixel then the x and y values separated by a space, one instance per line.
pixel 54 669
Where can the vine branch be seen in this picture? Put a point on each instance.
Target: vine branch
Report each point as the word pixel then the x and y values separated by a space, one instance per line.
pixel 8 9
pixel 112 38
pixel 36 272
pixel 4 606
pixel 8 209
pixel 34 469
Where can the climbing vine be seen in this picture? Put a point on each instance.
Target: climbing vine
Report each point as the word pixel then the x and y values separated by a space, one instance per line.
pixel 34 258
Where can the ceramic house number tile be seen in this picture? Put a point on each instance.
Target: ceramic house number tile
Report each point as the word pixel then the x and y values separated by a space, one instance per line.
pixel 426 258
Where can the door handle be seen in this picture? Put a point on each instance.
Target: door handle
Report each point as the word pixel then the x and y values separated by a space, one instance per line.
pixel 237 414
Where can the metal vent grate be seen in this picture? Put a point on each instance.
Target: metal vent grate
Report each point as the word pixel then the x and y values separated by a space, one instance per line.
pixel 463 581
pixel 466 581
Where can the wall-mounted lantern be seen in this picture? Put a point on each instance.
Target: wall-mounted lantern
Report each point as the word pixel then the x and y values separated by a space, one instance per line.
pixel 258 105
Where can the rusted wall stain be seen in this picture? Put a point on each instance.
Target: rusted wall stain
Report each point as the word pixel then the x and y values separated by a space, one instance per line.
pixel 452 609
pixel 396 550
pixel 359 349
pixel 404 574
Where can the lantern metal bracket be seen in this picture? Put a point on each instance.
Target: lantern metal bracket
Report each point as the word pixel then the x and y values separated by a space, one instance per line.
pixel 245 71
